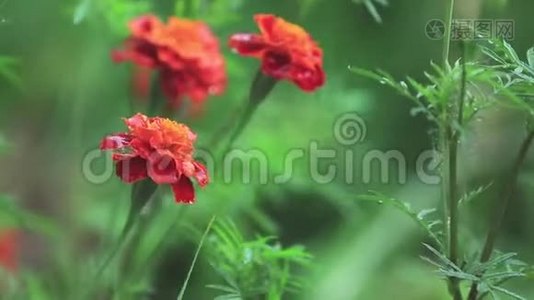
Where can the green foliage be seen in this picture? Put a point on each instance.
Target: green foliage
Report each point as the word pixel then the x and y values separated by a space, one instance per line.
pixel 359 251
pixel 432 97
pixel 489 275
pixel 507 83
pixel 200 244
pixel 421 218
pixel 473 194
pixel 371 7
pixel 513 74
pixel 260 267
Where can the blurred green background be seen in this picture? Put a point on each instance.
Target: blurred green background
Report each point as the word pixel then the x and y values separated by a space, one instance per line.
pixel 70 95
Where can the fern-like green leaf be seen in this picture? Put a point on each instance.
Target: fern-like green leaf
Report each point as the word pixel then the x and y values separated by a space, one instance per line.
pixel 420 218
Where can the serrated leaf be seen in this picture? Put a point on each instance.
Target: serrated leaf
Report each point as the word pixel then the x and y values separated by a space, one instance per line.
pixel 471 195
pixel 425 212
pixel 501 276
pixel 445 261
pixel 405 208
pixel 371 8
pixel 458 274
pixel 497 262
pixel 507 292
pixel 253 267
pixel 365 73
pixel 222 288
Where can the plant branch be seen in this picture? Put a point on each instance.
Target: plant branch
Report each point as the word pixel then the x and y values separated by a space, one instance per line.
pixel 182 291
pixel 501 207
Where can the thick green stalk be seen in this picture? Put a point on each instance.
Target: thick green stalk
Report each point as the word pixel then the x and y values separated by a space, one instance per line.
pixel 452 113
pixel 453 137
pixel 453 206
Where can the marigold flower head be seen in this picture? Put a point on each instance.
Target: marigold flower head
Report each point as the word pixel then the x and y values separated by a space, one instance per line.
pixel 9 250
pixel 286 50
pixel 185 52
pixel 159 149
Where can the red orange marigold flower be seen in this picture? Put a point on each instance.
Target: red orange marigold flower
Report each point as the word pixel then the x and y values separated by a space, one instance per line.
pixel 185 52
pixel 286 50
pixel 159 149
pixel 9 250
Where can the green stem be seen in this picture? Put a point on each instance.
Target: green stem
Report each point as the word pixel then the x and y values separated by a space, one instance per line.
pixel 182 291
pixel 259 90
pixel 501 207
pixel 223 130
pixel 109 259
pixel 243 122
pixel 140 271
pixel 141 193
pixel 453 206
pixel 451 137
pixel 448 26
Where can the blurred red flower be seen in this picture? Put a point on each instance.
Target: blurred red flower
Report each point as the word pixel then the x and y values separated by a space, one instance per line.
pixel 159 149
pixel 9 250
pixel 286 50
pixel 185 52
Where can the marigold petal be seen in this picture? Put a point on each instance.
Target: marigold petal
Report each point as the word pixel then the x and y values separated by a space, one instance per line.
pixel 136 121
pixel 160 149
pixel 186 52
pixel 162 169
pixel 144 25
pixel 308 79
pixel 183 191
pixel 116 141
pixel 276 64
pixel 266 23
pixel 201 174
pixel 132 169
pixel 287 51
pixel 247 44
